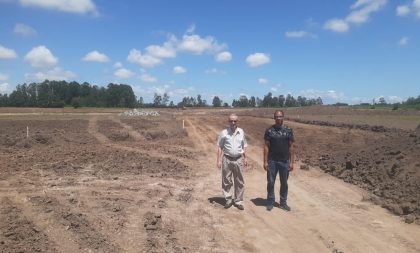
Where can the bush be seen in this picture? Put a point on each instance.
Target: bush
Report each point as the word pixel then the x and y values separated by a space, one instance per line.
pixel 76 102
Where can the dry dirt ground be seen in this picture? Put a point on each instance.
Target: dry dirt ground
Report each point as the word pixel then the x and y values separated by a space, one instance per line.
pixel 99 182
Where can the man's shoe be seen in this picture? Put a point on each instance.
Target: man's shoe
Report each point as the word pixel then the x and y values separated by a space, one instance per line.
pixel 285 207
pixel 269 207
pixel 240 207
pixel 228 204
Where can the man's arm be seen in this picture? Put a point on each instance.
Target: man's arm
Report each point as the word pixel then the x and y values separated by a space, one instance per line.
pixel 265 156
pixel 291 155
pixel 219 157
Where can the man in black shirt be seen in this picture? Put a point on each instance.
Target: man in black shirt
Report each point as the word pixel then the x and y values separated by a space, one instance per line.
pixel 278 158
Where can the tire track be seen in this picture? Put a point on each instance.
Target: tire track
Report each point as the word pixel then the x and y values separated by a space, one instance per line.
pixel 93 130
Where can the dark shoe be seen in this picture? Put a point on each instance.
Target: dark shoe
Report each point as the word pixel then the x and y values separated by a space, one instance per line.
pixel 228 204
pixel 269 207
pixel 285 207
pixel 240 207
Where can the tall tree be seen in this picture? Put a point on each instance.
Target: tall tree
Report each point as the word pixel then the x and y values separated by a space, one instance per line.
pixel 216 101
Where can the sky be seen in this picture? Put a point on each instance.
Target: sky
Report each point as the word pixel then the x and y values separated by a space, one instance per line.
pixel 350 51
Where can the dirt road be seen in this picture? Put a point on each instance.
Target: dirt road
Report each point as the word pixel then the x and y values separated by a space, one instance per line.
pixel 327 214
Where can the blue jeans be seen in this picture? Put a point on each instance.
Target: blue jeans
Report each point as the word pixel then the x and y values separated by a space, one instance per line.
pixel 282 167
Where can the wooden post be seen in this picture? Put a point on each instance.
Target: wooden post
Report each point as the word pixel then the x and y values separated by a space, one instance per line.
pixel 183 124
pixel 27 132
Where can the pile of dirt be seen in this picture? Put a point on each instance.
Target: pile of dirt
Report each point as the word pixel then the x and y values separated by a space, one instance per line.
pixel 17 234
pixel 387 166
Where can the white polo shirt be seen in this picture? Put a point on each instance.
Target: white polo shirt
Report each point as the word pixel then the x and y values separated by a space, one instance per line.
pixel 232 143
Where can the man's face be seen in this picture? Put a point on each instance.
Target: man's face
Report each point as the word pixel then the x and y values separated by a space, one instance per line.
pixel 278 117
pixel 233 122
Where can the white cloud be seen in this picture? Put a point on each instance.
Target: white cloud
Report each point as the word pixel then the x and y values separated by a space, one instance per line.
pixel 191 29
pixel 6 53
pixel 195 44
pixel 298 34
pixel 123 73
pixel 257 59
pixel 224 56
pixel 403 10
pixel 24 30
pixel 336 25
pixel 179 70
pixel 118 65
pixel 275 88
pixel 73 6
pixel 416 6
pixel 160 90
pixel 403 41
pixel 359 14
pixel 262 81
pixel 40 57
pixel 143 60
pixel 95 56
pixel 4 77
pixel 183 91
pixel 215 71
pixel 165 51
pixel 4 88
pixel 148 78
pixel 394 99
pixel 330 95
pixel 56 74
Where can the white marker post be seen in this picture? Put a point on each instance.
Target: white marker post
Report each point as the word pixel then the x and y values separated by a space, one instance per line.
pixel 183 124
pixel 27 132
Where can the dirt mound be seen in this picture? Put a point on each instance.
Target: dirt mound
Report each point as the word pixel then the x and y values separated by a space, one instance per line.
pixel 388 167
pixel 77 223
pixel 17 234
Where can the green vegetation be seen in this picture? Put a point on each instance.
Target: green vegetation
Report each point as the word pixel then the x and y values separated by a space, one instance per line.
pixel 57 94
pixel 410 104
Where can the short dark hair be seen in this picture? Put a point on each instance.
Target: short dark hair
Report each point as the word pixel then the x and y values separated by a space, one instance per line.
pixel 282 113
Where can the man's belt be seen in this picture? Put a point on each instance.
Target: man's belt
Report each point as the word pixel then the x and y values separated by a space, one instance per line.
pixel 232 158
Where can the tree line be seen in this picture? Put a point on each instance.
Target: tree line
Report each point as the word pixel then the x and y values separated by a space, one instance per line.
pixel 61 93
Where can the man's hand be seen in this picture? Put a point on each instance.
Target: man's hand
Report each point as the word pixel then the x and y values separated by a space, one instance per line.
pixel 290 166
pixel 219 164
pixel 265 166
pixel 245 162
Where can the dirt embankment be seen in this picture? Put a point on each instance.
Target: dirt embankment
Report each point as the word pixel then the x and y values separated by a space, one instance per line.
pixel 381 160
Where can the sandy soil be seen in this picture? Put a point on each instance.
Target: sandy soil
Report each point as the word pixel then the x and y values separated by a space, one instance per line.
pixel 105 183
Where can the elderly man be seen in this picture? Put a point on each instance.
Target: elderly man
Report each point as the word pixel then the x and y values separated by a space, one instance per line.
pixel 231 159
pixel 278 158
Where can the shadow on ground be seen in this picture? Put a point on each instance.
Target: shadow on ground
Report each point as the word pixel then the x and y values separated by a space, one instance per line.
pixel 219 200
pixel 262 202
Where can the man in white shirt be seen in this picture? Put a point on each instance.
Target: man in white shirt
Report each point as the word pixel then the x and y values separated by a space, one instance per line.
pixel 231 158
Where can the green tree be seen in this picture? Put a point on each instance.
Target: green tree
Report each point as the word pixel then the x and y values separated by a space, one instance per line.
pixel 243 101
pixel 165 99
pixel 382 101
pixel 267 100
pixel 76 102
pixel 216 101
pixel 157 100
pixel 252 102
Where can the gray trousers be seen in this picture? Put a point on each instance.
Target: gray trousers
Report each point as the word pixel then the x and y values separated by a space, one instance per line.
pixel 232 176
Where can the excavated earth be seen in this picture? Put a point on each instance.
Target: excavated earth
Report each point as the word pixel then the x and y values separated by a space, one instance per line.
pixel 101 182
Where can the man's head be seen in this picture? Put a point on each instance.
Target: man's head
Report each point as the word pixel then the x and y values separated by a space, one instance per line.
pixel 233 120
pixel 278 117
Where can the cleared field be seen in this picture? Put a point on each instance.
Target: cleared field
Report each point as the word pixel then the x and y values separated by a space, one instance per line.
pixel 93 181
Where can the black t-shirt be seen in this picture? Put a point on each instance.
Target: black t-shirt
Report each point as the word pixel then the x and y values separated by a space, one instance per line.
pixel 279 138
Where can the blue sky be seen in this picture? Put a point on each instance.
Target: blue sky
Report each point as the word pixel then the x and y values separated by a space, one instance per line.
pixel 343 51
